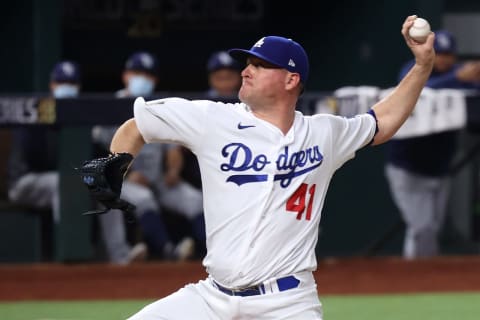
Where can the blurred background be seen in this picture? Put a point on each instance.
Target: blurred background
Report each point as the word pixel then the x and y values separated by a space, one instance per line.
pixel 350 43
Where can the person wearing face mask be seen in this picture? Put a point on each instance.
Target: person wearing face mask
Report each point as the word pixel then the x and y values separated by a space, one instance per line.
pixel 33 176
pixel 33 164
pixel 140 79
pixel 65 80
pixel 140 75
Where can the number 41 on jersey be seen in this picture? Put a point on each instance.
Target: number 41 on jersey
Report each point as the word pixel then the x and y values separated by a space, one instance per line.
pixel 298 201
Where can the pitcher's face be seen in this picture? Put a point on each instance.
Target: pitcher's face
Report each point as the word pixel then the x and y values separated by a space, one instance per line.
pixel 261 80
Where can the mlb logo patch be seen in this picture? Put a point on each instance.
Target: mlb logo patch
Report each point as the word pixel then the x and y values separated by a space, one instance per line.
pixel 259 43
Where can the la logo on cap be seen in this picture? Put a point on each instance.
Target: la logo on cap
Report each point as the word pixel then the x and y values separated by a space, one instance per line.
pixel 291 63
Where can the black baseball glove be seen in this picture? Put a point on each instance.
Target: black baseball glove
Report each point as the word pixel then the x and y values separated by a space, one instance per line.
pixel 104 177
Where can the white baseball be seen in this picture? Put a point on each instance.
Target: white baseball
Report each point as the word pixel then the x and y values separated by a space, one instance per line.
pixel 419 30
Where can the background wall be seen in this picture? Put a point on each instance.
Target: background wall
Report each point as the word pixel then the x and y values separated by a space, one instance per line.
pixel 349 43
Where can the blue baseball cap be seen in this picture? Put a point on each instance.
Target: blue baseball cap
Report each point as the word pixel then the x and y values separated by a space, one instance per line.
pixel 444 42
pixel 222 60
pixel 65 71
pixel 282 52
pixel 142 61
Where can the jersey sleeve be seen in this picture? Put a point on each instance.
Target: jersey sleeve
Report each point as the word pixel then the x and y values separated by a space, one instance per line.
pixel 351 134
pixel 173 120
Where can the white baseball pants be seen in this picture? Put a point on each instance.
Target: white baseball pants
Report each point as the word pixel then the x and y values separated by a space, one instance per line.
pixel 203 301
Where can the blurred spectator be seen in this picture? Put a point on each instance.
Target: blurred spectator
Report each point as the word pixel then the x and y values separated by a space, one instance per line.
pixel 33 164
pixel 33 176
pixel 65 80
pixel 140 77
pixel 417 168
pixel 224 78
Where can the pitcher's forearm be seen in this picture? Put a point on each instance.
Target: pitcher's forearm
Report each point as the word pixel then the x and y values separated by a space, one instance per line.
pixel 127 139
pixel 394 110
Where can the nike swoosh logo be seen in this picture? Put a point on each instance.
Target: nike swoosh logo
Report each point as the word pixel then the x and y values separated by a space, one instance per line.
pixel 241 126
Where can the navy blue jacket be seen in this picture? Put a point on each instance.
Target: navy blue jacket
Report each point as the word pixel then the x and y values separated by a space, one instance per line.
pixel 34 149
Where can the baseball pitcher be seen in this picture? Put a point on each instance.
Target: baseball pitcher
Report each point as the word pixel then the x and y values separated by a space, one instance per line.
pixel 265 173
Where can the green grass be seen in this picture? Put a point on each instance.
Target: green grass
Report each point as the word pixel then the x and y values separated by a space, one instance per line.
pixel 70 310
pixel 462 306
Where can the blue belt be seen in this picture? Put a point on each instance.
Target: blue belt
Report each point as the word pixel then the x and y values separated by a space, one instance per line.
pixel 284 284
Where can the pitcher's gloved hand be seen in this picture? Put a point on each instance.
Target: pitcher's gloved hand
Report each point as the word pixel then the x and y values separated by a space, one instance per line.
pixel 104 177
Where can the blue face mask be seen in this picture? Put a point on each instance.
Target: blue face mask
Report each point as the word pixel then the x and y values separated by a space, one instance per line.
pixel 65 91
pixel 140 86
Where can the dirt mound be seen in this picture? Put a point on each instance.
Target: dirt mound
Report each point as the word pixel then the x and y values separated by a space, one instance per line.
pixel 155 280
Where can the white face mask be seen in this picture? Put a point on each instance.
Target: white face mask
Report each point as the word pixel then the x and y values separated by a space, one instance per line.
pixel 66 91
pixel 140 86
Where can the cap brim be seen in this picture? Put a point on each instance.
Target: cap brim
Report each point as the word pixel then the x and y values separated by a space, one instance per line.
pixel 243 54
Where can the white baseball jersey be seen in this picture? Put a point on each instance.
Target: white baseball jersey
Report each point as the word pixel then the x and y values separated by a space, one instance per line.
pixel 263 190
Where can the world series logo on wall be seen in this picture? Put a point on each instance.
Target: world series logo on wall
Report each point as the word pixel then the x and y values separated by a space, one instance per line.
pixel 30 110
pixel 46 111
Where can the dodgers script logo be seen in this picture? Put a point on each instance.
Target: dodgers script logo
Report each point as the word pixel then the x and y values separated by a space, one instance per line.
pixel 240 158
